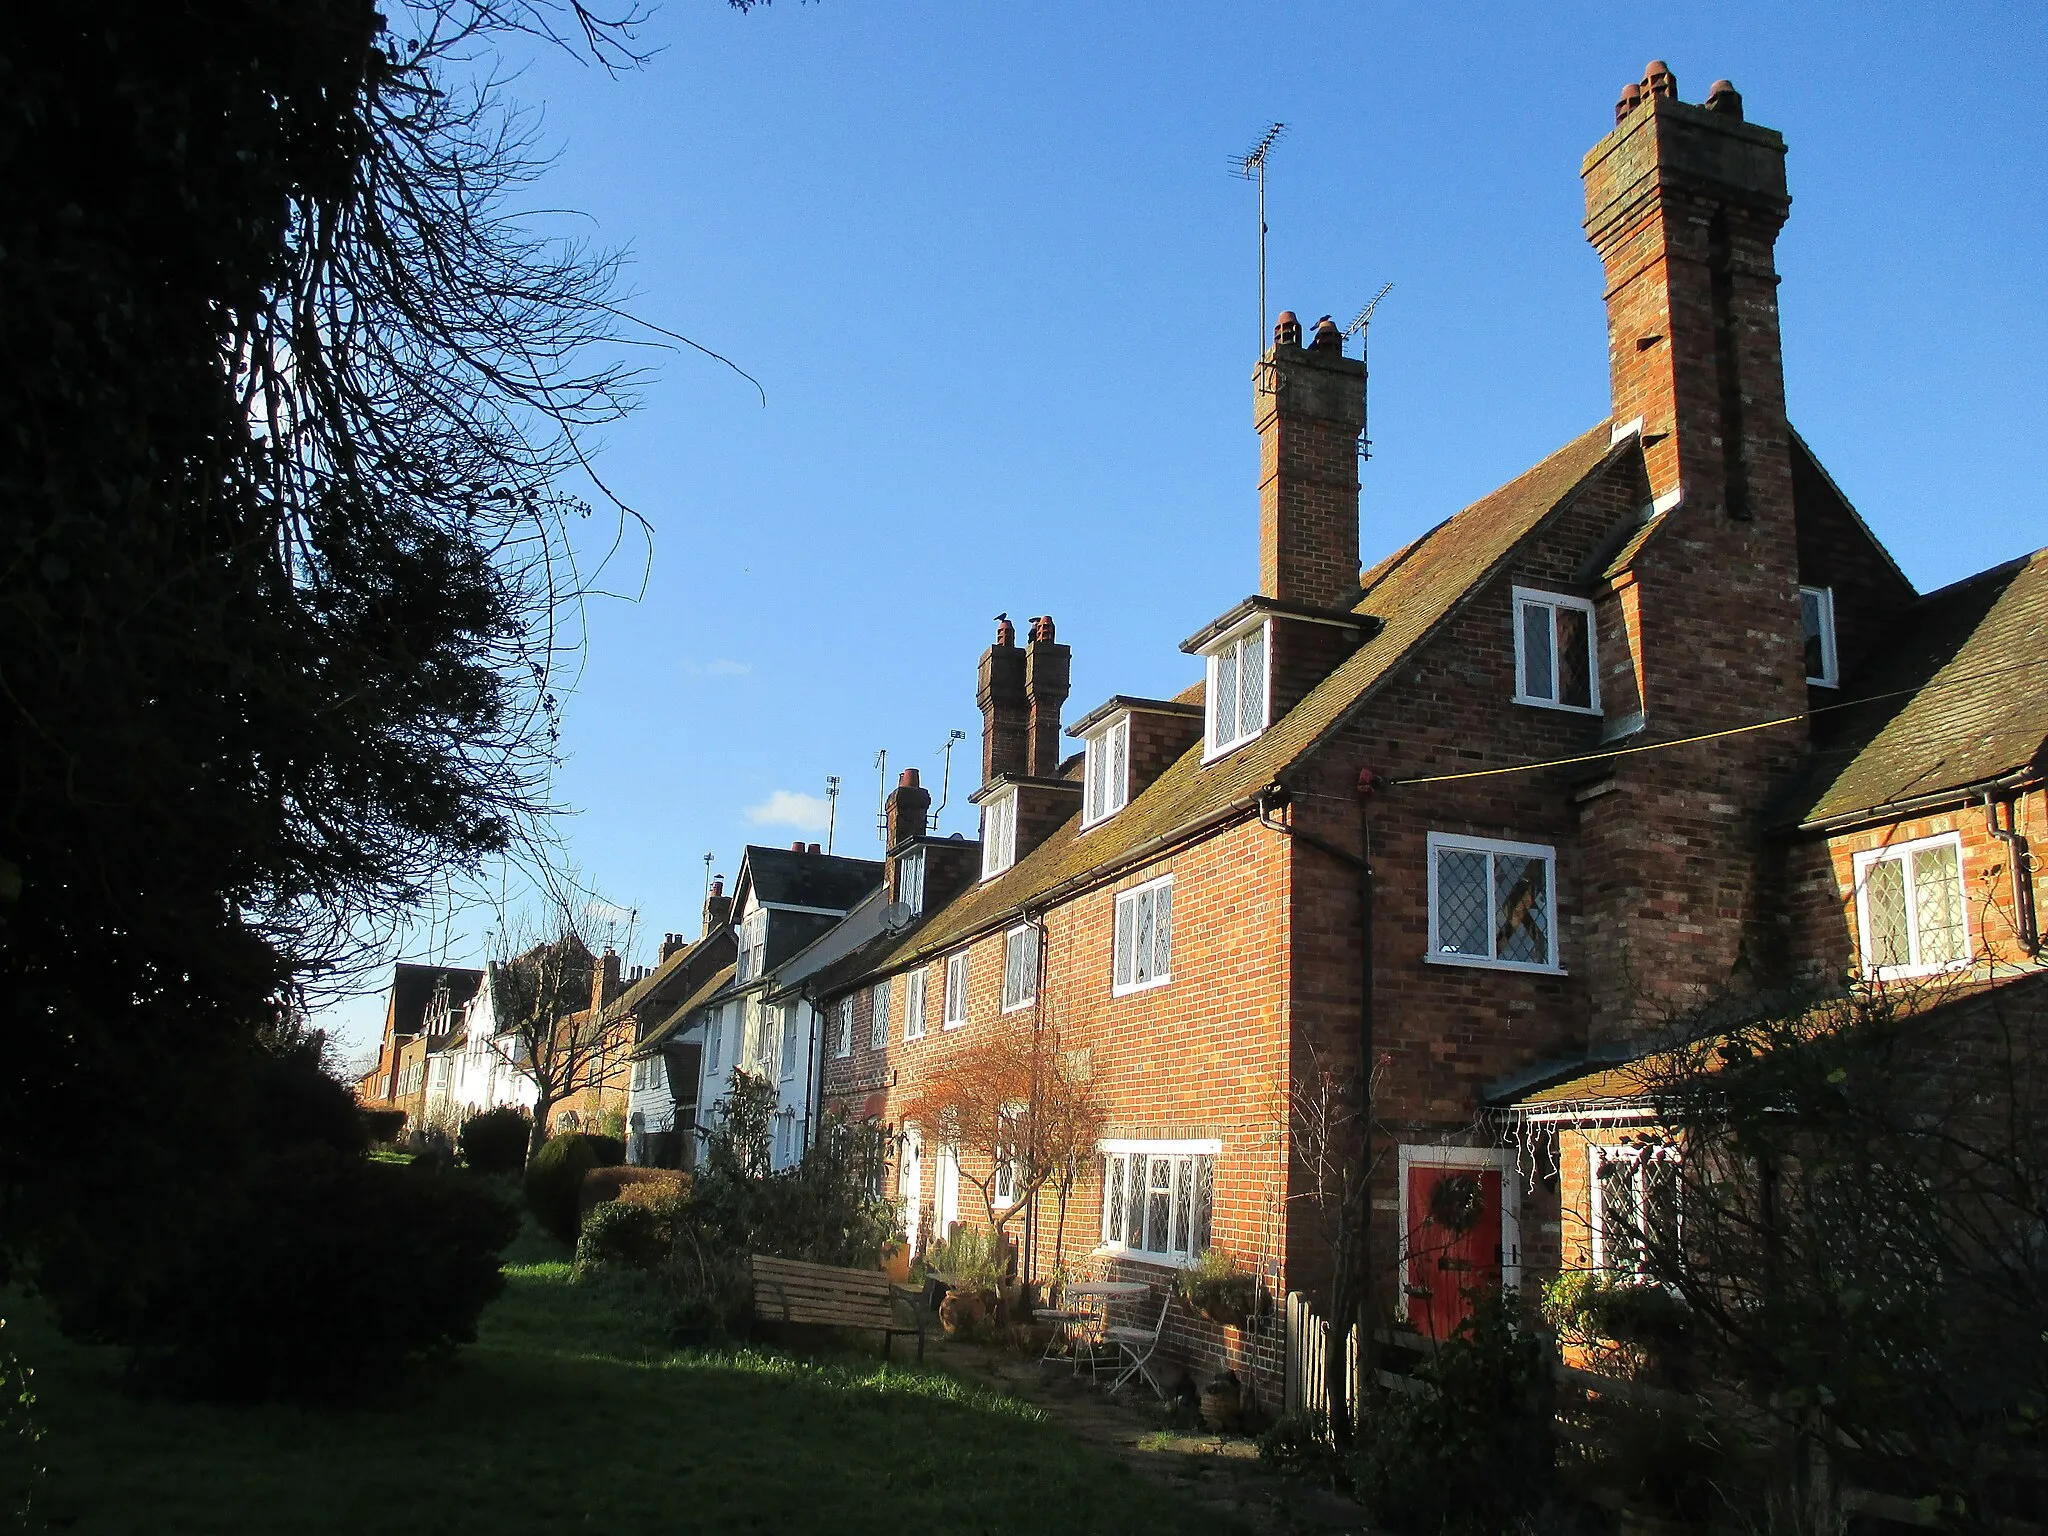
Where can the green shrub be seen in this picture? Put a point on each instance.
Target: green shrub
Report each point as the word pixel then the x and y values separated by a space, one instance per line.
pixel 383 1126
pixel 321 1278
pixel 619 1232
pixel 495 1141
pixel 970 1256
pixel 1215 1287
pixel 1298 1444
pixel 602 1184
pixel 554 1179
pixel 1475 1450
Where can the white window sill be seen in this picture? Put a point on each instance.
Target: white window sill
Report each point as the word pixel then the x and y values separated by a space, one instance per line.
pixel 1916 972
pixel 908 1036
pixel 954 1024
pixel 1479 962
pixel 1217 754
pixel 1141 1256
pixel 1563 709
pixel 1090 826
pixel 1140 986
pixel 1020 1007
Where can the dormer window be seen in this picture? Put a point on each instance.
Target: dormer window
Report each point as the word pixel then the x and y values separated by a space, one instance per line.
pixel 1555 663
pixel 910 879
pixel 1107 775
pixel 1817 612
pixel 753 949
pixel 998 833
pixel 1236 694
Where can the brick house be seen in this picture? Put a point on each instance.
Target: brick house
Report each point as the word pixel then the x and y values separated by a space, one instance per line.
pixel 423 1012
pixel 1484 819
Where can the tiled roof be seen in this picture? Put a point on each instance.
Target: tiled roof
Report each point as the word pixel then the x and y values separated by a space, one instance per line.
pixel 649 988
pixel 792 879
pixel 412 988
pixel 1412 592
pixel 1957 696
pixel 674 1022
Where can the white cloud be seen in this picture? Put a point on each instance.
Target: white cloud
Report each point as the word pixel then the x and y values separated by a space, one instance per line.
pixel 720 667
pixel 788 808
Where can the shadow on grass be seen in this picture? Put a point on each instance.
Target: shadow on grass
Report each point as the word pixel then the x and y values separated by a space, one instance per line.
pixel 562 1415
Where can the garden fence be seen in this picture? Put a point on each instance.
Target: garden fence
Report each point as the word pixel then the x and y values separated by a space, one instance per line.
pixel 1308 1355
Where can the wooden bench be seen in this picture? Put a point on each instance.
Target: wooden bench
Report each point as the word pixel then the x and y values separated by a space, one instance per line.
pixel 792 1291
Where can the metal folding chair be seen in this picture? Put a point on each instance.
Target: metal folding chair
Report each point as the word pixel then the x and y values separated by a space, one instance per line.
pixel 1135 1348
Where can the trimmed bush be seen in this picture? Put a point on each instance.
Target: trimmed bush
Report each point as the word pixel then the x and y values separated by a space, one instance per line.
pixel 602 1184
pixel 326 1273
pixel 383 1126
pixel 495 1141
pixel 554 1179
pixel 621 1232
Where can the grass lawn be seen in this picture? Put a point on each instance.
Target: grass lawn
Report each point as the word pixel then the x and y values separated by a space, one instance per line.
pixel 562 1417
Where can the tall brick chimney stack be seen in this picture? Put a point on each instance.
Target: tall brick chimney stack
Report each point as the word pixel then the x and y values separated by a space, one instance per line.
pixel 717 906
pixel 1308 403
pixel 1005 711
pixel 1684 204
pixel 604 980
pixel 1047 666
pixel 908 805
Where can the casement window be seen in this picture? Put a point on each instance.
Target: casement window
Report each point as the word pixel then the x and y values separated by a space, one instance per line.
pixel 1555 652
pixel 1235 698
pixel 1157 1197
pixel 1020 968
pixel 753 946
pixel 1106 773
pixel 1492 903
pixel 713 1038
pixel 1909 907
pixel 910 880
pixel 878 1017
pixel 842 1044
pixel 1817 614
pixel 639 1075
pixel 789 1039
pixel 1003 1185
pixel 1144 937
pixel 913 1005
pixel 998 833
pixel 1634 1206
pixel 656 1075
pixel 956 989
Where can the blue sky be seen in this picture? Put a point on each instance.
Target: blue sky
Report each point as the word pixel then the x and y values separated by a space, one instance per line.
pixel 991 267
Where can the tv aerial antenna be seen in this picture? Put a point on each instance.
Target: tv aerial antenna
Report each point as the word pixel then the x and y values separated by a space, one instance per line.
pixel 1361 323
pixel 831 810
pixel 1251 166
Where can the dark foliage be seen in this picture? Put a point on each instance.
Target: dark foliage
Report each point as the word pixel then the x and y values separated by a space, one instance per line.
pixel 295 1103
pixel 495 1140
pixel 622 1232
pixel 554 1179
pixel 616 1182
pixel 324 1277
pixel 383 1125
pixel 1475 1451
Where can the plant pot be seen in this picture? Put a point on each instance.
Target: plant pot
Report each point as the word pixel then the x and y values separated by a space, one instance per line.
pixel 961 1313
pixel 896 1262
pixel 1223 1406
pixel 1228 1314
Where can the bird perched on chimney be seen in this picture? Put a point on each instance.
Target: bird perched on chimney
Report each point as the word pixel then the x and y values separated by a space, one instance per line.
pixel 1006 632
pixel 1327 337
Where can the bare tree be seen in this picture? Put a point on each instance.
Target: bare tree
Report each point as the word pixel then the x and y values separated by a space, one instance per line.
pixel 545 1025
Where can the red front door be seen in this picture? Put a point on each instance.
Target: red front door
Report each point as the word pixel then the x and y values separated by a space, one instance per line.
pixel 1453 1243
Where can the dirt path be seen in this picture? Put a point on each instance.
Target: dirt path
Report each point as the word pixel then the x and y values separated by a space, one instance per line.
pixel 1216 1470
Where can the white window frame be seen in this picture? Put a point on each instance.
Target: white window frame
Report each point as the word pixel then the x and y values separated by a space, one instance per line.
pixel 842 1041
pixel 714 1037
pixel 789 1039
pixel 1598 1155
pixel 1105 791
pixel 955 1013
pixel 1214 747
pixel 913 1004
pixel 1532 597
pixel 998 833
pixel 1002 1187
pixel 1455 842
pixel 910 879
pixel 1126 912
pixel 1502 1158
pixel 1020 968
pixel 1112 1234
pixel 1830 662
pixel 1903 853
pixel 753 947
pixel 878 1016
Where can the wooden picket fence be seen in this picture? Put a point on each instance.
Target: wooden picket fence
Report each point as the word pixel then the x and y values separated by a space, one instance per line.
pixel 1308 1358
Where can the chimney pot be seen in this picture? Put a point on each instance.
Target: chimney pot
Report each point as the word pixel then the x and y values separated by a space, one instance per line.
pixel 1006 632
pixel 1659 81
pixel 1724 98
pixel 816 848
pixel 1631 98
pixel 797 846
pixel 907 779
pixel 1327 338
pixel 1287 329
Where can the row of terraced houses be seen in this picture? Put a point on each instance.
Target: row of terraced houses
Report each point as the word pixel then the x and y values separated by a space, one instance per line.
pixel 1656 723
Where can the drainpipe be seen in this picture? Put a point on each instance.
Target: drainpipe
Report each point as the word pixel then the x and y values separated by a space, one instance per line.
pixel 2024 917
pixel 1036 922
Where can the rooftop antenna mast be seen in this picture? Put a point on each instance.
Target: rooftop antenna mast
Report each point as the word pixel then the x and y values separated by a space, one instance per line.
pixel 831 810
pixel 946 775
pixel 1251 165
pixel 1362 323
pixel 882 799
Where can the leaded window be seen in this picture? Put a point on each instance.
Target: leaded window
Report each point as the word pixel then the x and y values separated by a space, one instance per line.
pixel 1492 903
pixel 1236 693
pixel 1910 907
pixel 1158 1199
pixel 1555 651
pixel 1144 936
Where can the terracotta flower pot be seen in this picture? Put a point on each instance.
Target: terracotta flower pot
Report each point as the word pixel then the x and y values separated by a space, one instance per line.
pixel 896 1262
pixel 1223 1406
pixel 961 1312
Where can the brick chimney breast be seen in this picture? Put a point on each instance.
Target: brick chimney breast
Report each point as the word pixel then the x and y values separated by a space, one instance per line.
pixel 717 905
pixel 1048 668
pixel 604 983
pixel 1308 404
pixel 908 809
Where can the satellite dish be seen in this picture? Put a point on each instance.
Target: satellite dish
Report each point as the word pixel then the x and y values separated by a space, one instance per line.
pixel 897 915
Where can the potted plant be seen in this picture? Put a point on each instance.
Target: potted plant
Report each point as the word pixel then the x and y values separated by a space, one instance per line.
pixel 1223 1403
pixel 896 1260
pixel 1218 1289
